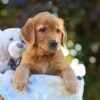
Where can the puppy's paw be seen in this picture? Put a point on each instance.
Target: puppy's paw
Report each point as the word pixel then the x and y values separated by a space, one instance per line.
pixel 72 86
pixel 19 84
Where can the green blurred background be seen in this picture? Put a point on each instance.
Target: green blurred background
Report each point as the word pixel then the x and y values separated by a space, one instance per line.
pixel 82 22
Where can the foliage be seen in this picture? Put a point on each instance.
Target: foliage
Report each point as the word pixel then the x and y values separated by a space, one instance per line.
pixel 82 22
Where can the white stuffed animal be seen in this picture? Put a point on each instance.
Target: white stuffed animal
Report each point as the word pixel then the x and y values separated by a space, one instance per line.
pixel 11 48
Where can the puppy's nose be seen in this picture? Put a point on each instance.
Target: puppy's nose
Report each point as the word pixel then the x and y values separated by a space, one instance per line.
pixel 53 44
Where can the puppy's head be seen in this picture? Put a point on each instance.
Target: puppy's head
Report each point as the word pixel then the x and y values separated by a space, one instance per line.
pixel 45 31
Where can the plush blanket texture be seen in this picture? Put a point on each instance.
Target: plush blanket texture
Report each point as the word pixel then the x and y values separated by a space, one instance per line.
pixel 39 87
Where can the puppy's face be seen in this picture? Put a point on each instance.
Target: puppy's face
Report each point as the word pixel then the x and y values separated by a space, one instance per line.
pixel 45 30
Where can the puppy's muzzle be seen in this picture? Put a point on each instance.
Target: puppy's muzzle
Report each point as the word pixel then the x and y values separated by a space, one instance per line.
pixel 53 44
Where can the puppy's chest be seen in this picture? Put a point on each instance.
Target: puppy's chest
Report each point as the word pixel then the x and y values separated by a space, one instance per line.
pixel 40 65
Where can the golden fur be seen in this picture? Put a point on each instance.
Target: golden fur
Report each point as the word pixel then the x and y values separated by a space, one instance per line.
pixel 39 57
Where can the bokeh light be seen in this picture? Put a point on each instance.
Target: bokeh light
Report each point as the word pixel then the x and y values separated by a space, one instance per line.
pixel 5 1
pixel 79 69
pixel 78 47
pixel 95 47
pixel 70 44
pixel 92 59
pixel 73 52
pixel 75 61
pixel 65 51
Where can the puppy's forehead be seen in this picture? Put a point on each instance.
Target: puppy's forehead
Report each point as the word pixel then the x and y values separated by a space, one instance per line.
pixel 47 19
pixel 50 20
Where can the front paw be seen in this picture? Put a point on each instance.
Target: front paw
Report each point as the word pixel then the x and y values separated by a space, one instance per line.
pixel 72 86
pixel 19 84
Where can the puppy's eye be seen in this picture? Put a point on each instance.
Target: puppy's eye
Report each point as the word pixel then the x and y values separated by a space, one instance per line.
pixel 43 29
pixel 58 30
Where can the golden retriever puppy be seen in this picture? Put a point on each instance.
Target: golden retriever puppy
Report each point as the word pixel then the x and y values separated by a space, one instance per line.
pixel 44 35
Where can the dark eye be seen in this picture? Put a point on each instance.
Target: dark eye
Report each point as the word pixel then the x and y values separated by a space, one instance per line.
pixel 11 39
pixel 43 29
pixel 58 30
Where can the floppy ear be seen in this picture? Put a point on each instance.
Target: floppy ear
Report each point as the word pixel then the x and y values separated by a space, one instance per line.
pixel 64 33
pixel 27 32
pixel 64 36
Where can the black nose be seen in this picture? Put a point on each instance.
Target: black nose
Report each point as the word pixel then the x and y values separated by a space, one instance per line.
pixel 53 44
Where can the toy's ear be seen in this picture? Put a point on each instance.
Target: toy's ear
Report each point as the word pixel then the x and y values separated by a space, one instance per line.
pixel 28 32
pixel 64 33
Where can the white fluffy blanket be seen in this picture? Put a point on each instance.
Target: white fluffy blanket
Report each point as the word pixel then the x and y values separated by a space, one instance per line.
pixel 39 87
